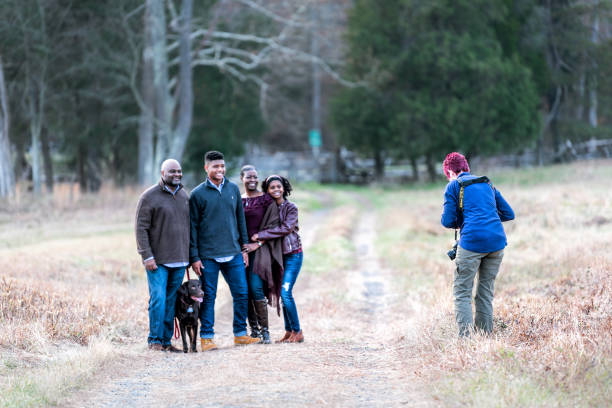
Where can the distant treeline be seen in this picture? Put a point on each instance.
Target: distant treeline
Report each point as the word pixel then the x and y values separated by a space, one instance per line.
pixel 99 90
pixel 479 76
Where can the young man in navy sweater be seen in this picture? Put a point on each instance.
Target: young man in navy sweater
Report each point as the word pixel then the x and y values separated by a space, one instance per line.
pixel 481 246
pixel 218 234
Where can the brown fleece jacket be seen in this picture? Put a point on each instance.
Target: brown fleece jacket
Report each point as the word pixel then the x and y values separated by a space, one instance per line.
pixel 162 225
pixel 268 263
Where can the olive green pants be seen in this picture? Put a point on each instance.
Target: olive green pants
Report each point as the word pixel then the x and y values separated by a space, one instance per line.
pixel 468 265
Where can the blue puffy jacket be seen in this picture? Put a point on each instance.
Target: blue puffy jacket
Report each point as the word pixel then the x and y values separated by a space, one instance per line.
pixel 484 210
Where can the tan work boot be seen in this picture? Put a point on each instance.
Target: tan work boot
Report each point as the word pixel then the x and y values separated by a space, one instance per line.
pixel 208 344
pixel 243 340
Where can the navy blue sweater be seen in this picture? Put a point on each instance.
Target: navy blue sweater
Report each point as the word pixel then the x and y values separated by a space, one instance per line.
pixel 218 227
pixel 484 209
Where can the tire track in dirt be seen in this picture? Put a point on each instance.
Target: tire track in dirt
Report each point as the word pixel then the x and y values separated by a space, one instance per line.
pixel 348 358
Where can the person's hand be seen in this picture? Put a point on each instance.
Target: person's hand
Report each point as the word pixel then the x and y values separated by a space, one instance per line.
pixel 245 258
pixel 150 265
pixel 253 246
pixel 255 237
pixel 197 267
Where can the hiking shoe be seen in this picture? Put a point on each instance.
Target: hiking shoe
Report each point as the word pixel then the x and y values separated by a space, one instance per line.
pixel 156 347
pixel 243 340
pixel 208 344
pixel 171 349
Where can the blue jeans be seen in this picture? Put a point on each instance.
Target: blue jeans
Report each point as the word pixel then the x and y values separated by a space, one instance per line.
pixel 292 264
pixel 163 284
pixel 235 276
pixel 256 291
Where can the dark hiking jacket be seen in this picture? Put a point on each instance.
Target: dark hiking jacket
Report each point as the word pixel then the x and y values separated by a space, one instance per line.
pixel 218 227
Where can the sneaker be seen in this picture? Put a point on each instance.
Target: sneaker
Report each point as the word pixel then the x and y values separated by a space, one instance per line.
pixel 156 347
pixel 208 344
pixel 171 349
pixel 243 340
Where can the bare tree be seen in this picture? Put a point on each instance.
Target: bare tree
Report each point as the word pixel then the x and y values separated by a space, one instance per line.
pixel 166 102
pixel 146 99
pixel 7 178
pixel 172 113
pixel 593 84
pixel 35 95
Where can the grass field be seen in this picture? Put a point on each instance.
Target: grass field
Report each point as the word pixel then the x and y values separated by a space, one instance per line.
pixel 73 289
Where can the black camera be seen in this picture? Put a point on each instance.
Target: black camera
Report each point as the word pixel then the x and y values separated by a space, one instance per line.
pixel 452 253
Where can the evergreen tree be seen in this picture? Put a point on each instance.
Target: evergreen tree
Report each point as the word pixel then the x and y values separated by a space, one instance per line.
pixel 442 73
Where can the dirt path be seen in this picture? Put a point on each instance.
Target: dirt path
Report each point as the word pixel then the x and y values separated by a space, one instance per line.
pixel 348 358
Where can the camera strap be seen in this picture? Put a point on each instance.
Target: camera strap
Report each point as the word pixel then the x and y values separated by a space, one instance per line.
pixel 465 183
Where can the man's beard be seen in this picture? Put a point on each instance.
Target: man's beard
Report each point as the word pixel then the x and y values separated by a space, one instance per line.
pixel 170 181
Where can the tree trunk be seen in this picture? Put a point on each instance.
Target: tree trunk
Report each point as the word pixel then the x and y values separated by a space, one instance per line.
pixel 185 95
pixel 7 177
pixel 379 165
pixel 48 164
pixel 146 172
pixel 548 119
pixel 593 79
pixel 431 169
pixel 81 163
pixel 580 102
pixel 163 101
pixel 35 152
pixel 415 168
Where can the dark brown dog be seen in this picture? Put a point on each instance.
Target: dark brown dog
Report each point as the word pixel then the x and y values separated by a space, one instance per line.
pixel 188 299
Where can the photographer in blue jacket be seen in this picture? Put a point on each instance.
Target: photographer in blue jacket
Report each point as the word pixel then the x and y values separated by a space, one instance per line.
pixel 474 206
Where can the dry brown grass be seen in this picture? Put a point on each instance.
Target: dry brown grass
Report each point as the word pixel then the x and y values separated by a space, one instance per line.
pixel 71 276
pixel 56 312
pixel 73 283
pixel 552 343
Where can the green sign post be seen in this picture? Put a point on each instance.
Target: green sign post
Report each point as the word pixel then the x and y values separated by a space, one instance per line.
pixel 314 138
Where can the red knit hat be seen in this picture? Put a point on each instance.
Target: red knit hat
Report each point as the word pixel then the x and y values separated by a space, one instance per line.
pixel 456 162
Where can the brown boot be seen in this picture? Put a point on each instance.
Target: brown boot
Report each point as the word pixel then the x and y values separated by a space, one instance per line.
pixel 244 340
pixel 252 319
pixel 296 337
pixel 285 337
pixel 208 344
pixel 156 347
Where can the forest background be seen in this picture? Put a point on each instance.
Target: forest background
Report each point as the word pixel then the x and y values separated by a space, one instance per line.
pixel 95 91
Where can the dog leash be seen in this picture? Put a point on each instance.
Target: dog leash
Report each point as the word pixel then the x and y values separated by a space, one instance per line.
pixel 177 332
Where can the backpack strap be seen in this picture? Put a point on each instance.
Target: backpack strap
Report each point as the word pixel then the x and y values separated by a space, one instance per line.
pixel 465 183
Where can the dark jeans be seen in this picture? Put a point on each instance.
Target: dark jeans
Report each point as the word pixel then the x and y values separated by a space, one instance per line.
pixel 292 264
pixel 256 291
pixel 163 284
pixel 234 275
